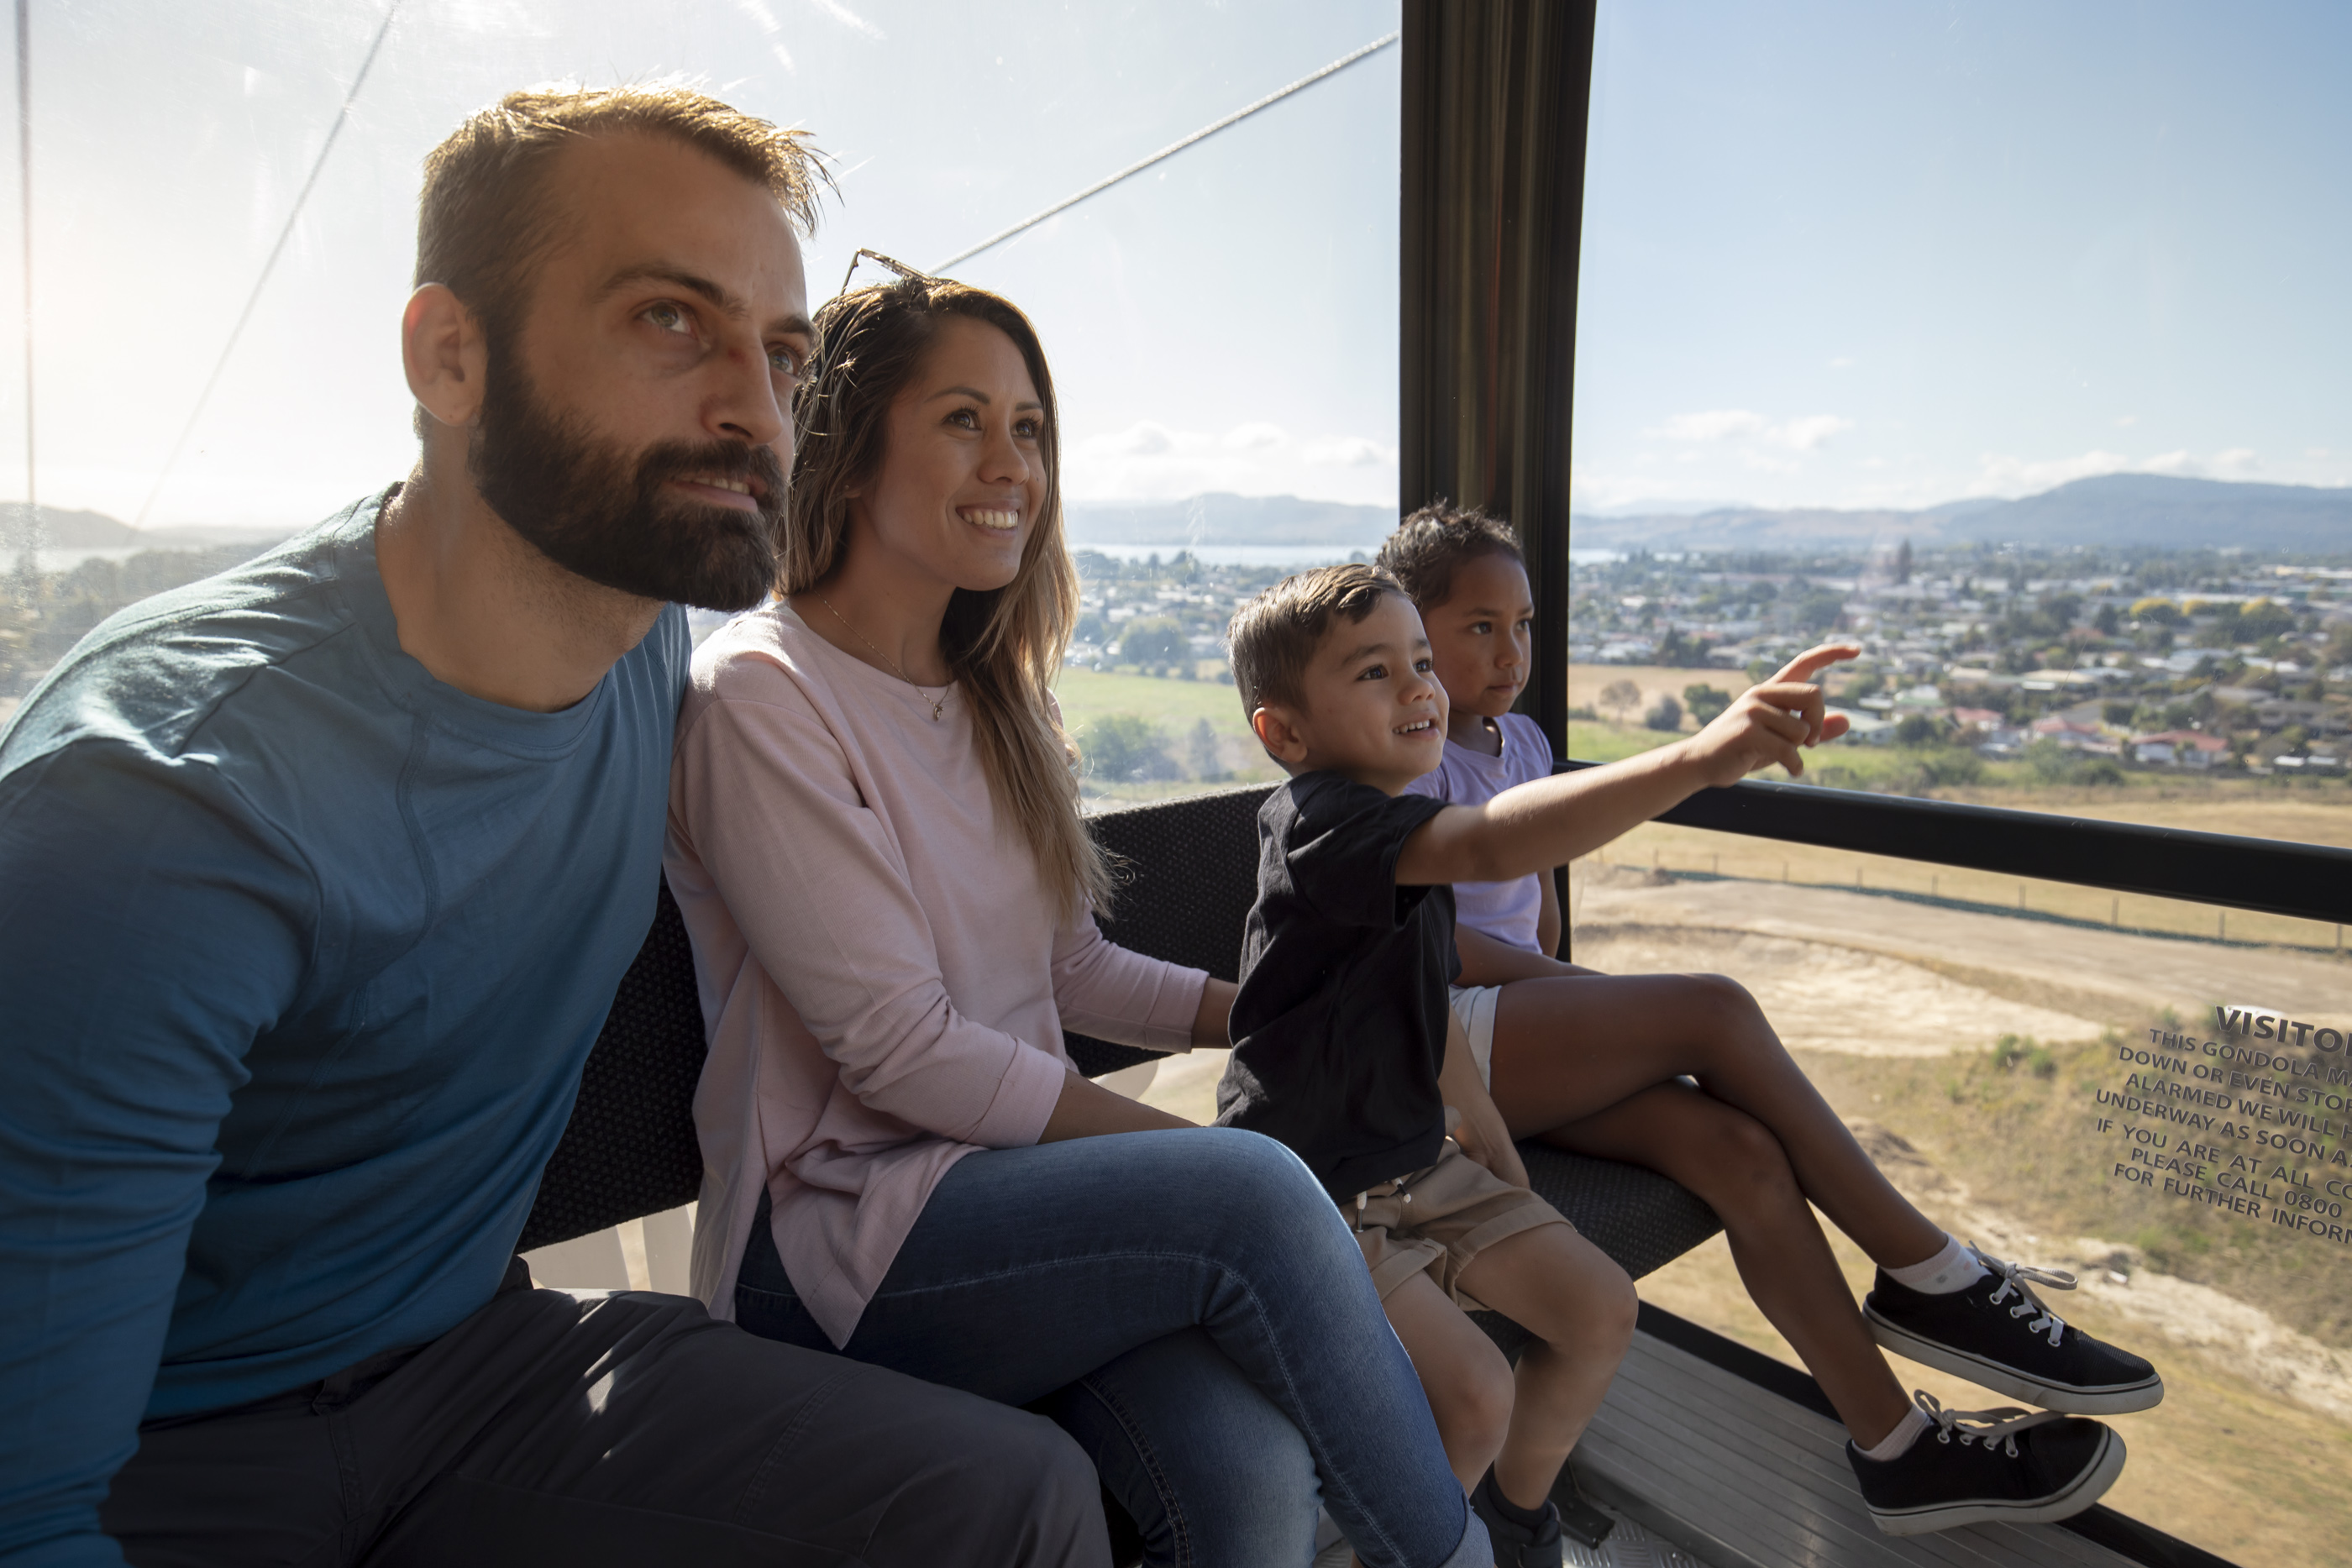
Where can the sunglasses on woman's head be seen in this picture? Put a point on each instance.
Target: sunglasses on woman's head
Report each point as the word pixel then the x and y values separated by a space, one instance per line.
pixel 910 274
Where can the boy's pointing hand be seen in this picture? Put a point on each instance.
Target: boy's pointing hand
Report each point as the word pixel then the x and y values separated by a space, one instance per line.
pixel 1773 722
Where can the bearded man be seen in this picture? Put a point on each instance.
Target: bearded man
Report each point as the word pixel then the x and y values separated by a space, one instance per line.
pixel 316 883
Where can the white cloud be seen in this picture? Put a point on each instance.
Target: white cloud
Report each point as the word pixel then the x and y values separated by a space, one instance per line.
pixel 1810 431
pixel 2236 460
pixel 1144 438
pixel 1803 433
pixel 1148 461
pixel 1842 363
pixel 1349 452
pixel 2175 462
pixel 2000 475
pixel 1256 436
pixel 2126 421
pixel 1715 424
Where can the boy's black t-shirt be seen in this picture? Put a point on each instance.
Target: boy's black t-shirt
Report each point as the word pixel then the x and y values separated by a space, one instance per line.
pixel 1339 1028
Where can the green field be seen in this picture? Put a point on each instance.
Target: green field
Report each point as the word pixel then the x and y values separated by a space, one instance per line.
pixel 1173 707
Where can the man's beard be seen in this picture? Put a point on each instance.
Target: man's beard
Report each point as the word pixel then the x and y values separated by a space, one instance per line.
pixel 600 511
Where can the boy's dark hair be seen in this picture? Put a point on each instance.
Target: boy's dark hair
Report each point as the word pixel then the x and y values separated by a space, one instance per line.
pixel 1272 638
pixel 1430 545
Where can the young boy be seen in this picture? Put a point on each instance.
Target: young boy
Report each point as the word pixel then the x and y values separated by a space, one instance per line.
pixel 1346 1052
pixel 1592 1063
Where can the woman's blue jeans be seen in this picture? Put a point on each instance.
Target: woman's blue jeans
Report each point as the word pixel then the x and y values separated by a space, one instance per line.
pixel 1190 1307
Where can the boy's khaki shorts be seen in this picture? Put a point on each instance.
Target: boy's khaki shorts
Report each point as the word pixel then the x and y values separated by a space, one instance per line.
pixel 1434 1220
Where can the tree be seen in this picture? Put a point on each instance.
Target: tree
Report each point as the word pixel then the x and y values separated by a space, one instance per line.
pixel 1127 748
pixel 1917 729
pixel 1705 702
pixel 1664 714
pixel 1201 753
pixel 1678 651
pixel 1820 609
pixel 2263 620
pixel 1156 640
pixel 2157 613
pixel 1619 697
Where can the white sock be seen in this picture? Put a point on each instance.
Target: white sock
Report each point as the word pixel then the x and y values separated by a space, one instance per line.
pixel 1898 1442
pixel 1953 1269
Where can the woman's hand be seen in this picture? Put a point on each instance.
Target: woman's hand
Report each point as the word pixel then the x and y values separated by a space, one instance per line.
pixel 1088 1109
pixel 1212 1025
pixel 1772 721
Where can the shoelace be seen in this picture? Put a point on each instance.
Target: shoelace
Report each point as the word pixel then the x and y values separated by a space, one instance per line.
pixel 2017 1279
pixel 1997 1427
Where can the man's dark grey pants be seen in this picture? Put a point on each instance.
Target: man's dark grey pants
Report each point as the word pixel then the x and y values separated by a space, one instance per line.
pixel 620 1429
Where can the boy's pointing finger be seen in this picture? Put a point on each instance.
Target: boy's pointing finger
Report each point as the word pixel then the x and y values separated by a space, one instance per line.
pixel 1813 661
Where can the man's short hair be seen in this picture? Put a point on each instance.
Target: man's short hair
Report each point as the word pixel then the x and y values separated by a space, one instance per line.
pixel 1272 638
pixel 1430 545
pixel 486 215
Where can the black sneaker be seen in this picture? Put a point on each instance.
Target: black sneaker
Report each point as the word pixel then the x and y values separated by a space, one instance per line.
pixel 1986 1467
pixel 1517 1546
pixel 1997 1332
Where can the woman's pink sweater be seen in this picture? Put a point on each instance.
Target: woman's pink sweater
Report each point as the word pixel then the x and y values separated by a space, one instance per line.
pixel 885 980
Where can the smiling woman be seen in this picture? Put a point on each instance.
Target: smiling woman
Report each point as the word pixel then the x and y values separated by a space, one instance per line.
pixel 876 848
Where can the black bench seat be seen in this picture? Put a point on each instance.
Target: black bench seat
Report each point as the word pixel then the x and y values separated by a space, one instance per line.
pixel 1188 873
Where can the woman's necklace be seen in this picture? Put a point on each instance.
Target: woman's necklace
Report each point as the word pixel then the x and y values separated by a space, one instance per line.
pixel 938 704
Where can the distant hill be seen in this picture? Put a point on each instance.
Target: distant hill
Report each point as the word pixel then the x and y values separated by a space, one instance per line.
pixel 62 529
pixel 1220 519
pixel 2170 514
pixel 2152 509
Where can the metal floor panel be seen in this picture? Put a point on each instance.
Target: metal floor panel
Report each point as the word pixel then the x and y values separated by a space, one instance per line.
pixel 1628 1546
pixel 1745 1479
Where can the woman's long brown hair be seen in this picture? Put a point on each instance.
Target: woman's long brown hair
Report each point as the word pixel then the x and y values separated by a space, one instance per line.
pixel 1003 646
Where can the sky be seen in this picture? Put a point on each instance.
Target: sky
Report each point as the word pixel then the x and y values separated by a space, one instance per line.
pixel 1225 321
pixel 1837 252
pixel 1857 253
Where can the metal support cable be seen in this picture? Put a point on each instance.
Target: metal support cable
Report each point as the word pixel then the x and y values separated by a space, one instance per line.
pixel 1099 186
pixel 260 282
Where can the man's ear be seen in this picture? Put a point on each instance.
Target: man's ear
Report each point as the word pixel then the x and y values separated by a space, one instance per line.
pixel 445 355
pixel 1277 730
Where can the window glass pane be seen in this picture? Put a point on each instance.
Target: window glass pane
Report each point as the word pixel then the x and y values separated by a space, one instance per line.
pixel 1223 327
pixel 2073 1080
pixel 2003 340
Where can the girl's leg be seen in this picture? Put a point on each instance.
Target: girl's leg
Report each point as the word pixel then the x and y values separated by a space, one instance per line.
pixel 1568 1047
pixel 1737 1167
pixel 1031 1268
pixel 1464 1376
pixel 1210 1471
pixel 1580 1307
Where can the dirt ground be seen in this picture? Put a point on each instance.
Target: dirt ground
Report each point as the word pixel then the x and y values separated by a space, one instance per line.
pixel 2247 1455
pixel 1587 682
